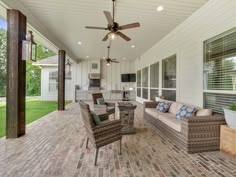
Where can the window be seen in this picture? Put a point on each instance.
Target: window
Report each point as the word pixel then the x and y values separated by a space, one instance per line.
pixel 220 71
pixel 139 83
pixel 169 78
pixel 53 81
pixel 154 81
pixel 145 83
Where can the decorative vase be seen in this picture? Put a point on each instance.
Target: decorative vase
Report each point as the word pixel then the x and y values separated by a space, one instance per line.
pixel 230 118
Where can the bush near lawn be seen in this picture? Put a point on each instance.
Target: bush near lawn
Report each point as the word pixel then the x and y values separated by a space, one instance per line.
pixel 35 109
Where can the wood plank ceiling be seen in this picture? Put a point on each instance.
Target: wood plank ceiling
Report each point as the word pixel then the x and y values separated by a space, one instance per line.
pixel 67 19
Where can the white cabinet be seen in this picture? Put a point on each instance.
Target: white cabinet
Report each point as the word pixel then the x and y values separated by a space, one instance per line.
pixel 107 94
pixel 81 95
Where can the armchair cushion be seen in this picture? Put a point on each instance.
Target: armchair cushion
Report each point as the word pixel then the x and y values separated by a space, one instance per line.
pixel 101 101
pixel 96 119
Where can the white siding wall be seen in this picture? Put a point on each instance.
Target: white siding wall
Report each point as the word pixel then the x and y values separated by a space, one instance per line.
pixel 50 96
pixel 110 75
pixel 186 41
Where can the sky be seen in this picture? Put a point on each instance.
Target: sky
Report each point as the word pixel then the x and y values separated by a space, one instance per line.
pixel 3 23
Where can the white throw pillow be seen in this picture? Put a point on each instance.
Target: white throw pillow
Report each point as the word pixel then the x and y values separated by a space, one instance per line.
pixel 204 112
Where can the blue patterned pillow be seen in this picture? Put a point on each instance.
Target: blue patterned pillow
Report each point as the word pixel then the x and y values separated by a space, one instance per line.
pixel 185 111
pixel 163 106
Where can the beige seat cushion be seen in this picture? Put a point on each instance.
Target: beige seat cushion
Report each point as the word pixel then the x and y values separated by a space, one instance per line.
pixel 204 112
pixel 152 111
pixel 167 118
pixel 170 120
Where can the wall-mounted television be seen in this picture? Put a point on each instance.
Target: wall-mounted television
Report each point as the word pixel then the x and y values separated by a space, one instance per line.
pixel 128 77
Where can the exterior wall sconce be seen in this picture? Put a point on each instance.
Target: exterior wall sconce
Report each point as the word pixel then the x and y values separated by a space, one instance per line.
pixel 29 48
pixel 68 66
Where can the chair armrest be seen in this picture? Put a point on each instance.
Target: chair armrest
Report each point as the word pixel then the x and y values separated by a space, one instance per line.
pixel 111 104
pixel 109 127
pixel 150 104
pixel 100 109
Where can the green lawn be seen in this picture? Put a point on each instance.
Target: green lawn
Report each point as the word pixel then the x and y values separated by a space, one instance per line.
pixel 35 109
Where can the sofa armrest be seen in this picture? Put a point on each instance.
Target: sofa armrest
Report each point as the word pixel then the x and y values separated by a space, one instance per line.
pixel 199 119
pixel 202 126
pixel 150 104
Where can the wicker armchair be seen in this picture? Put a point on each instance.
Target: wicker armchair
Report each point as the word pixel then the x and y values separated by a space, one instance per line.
pixel 108 108
pixel 100 135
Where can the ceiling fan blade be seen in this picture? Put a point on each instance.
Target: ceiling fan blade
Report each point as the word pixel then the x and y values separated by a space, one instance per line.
pixel 115 61
pixel 105 38
pixel 128 26
pixel 123 36
pixel 109 18
pixel 93 27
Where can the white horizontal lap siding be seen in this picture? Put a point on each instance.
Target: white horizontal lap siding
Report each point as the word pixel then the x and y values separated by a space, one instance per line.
pixel 110 75
pixel 53 96
pixel 186 41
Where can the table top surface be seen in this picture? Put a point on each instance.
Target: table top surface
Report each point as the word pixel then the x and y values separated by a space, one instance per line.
pixel 126 104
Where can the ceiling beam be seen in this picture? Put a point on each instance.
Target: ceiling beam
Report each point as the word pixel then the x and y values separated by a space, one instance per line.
pixel 35 23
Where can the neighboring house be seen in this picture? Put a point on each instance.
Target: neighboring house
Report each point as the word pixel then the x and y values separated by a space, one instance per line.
pixel 49 82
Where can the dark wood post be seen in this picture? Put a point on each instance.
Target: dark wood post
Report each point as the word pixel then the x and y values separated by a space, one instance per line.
pixel 16 74
pixel 61 79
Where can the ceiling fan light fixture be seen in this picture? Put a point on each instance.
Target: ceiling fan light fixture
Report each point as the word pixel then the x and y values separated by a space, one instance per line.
pixel 108 63
pixel 112 36
pixel 160 8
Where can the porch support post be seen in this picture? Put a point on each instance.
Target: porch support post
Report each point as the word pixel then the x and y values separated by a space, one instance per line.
pixel 61 79
pixel 16 74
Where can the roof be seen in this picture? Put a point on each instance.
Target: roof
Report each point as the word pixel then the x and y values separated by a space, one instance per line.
pixel 50 61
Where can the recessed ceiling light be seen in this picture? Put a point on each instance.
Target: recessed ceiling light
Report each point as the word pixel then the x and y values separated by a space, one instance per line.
pixel 87 56
pixel 132 46
pixel 104 57
pixel 160 8
pixel 79 43
pixel 124 58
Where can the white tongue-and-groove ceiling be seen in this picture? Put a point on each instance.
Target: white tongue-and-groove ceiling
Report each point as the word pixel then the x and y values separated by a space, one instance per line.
pixel 66 19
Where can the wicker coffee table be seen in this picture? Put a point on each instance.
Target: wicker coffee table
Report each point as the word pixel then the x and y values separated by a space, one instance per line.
pixel 127 117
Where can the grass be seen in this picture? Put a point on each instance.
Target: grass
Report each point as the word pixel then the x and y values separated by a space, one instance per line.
pixel 35 109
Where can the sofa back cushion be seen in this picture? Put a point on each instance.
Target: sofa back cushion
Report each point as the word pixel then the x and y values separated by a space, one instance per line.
pixel 174 107
pixel 185 111
pixel 163 106
pixel 204 112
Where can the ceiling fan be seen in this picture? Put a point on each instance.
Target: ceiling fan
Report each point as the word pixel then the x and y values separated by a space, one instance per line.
pixel 114 27
pixel 108 59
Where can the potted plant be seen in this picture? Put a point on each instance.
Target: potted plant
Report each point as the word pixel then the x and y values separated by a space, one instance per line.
pixel 230 115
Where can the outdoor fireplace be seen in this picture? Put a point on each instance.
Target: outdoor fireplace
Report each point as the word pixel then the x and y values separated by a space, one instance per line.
pixel 94 81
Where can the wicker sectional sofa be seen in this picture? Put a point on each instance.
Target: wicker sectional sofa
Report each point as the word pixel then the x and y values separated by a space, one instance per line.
pixel 193 134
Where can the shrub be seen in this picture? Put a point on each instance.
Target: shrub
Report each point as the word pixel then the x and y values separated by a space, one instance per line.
pixel 233 107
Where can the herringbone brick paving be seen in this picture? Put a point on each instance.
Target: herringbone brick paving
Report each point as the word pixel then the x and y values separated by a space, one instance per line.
pixel 54 146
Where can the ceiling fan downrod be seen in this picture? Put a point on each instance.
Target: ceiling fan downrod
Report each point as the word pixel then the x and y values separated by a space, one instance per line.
pixel 113 1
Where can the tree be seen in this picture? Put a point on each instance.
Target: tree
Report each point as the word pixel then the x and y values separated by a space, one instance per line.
pixel 33 73
pixel 3 56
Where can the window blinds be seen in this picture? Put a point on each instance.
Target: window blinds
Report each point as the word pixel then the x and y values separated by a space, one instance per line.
pixel 220 71
pixel 220 63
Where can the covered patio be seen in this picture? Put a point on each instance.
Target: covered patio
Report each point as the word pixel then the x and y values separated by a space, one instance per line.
pixel 173 59
pixel 55 146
